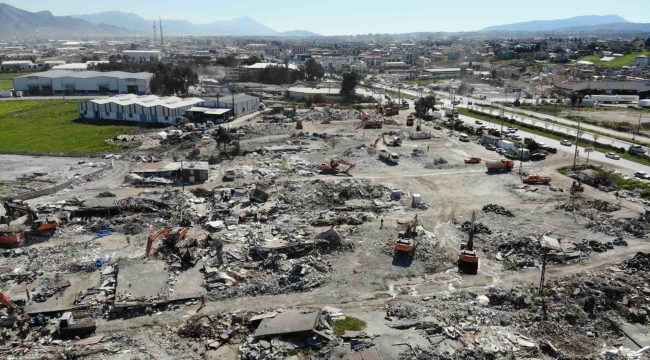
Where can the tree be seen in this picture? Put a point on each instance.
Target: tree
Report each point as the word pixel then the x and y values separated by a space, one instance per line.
pixel 574 99
pixel 320 99
pixel 494 73
pixel 349 86
pixel 314 70
pixel 647 43
pixel 251 60
pixel 463 72
pixel 84 59
pixel 422 106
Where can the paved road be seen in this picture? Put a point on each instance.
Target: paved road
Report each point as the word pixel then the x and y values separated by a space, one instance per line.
pixel 594 156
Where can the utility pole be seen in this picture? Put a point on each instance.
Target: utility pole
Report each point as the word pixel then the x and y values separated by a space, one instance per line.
pixel 154 35
pixel 503 112
pixel 575 154
pixel 638 129
pixel 161 36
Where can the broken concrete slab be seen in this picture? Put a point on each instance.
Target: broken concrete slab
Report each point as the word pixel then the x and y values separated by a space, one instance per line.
pixel 289 322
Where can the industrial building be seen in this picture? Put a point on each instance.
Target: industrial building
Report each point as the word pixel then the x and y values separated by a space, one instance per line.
pixel 144 55
pixel 167 110
pixel 253 72
pixel 633 87
pixel 129 107
pixel 18 65
pixel 443 73
pixel 58 82
pixel 302 93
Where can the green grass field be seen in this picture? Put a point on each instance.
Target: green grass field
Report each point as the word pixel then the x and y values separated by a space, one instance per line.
pixel 625 60
pixel 47 126
pixel 7 79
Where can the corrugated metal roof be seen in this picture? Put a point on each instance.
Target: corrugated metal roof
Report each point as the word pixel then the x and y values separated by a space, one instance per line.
pixel 368 354
pixel 53 74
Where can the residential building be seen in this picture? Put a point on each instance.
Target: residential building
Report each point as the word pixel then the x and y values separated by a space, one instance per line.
pixel 144 55
pixel 243 104
pixel 57 82
pixel 642 61
pixel 253 72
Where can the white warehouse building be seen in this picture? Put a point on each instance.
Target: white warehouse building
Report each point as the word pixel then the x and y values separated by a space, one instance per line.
pixel 164 110
pixel 130 107
pixel 58 82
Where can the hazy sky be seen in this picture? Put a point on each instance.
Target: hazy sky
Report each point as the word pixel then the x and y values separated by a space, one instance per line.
pixel 335 17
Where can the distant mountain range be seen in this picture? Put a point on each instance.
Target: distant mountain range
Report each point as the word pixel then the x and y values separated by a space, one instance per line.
pixel 243 26
pixel 17 22
pixel 575 24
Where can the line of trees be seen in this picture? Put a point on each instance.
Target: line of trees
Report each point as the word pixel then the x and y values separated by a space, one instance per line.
pixel 168 79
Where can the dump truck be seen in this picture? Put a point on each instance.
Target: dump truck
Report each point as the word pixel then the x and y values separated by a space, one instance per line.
pixel 410 120
pixel 406 242
pixel 392 141
pixel 503 165
pixel 388 156
pixel 537 179
pixel 468 258
pixel 70 325
pixel 472 160
pixel 377 124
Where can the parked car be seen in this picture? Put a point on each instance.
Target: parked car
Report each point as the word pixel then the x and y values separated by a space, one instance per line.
pixel 537 156
pixel 550 149
pixel 642 175
pixel 478 122
pixel 437 127
pixel 490 147
pixel 512 129
pixel 500 151
pixel 515 137
pixel 565 142
pixel 508 135
pixel 612 155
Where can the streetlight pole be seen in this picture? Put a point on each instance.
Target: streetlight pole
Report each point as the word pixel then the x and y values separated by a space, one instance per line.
pixel 575 154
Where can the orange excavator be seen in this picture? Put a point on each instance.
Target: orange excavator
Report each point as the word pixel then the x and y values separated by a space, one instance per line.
pixel 537 179
pixel 473 160
pixel 363 115
pixel 407 243
pixel 333 167
pixel 468 259
pixel 7 302
pixel 373 149
pixel 171 236
pixel 13 211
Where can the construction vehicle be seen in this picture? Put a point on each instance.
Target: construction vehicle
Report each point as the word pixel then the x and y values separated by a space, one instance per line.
pixel 394 141
pixel 380 109
pixel 373 149
pixel 170 236
pixel 577 187
pixel 410 120
pixel 537 179
pixel 503 165
pixel 389 157
pixel 473 160
pixel 299 125
pixel 392 111
pixel 333 167
pixel 81 324
pixel 468 259
pixel 378 124
pixel 528 140
pixel 195 153
pixel 407 243
pixel 363 115
pixel 11 238
pixel 4 299
pixel 13 212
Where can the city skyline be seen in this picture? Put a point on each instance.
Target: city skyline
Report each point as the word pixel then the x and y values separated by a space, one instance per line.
pixel 339 17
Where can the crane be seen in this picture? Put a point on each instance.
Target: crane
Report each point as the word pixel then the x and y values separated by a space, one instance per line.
pixel 332 167
pixel 468 259
pixel 406 241
pixel 173 235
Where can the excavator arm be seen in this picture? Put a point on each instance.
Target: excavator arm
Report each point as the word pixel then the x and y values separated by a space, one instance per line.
pixel 7 302
pixel 10 208
pixel 154 236
pixel 364 117
pixel 343 162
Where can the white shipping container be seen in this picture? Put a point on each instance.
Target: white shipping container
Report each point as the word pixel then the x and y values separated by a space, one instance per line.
pixel 6 94
pixel 644 103
pixel 602 98
pixel 627 98
pixel 505 144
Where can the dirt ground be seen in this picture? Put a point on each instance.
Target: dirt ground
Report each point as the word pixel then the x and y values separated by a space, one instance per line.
pixel 366 279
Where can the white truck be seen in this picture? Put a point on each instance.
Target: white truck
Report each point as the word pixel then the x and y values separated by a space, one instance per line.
pixel 451 113
pixel 613 99
pixel 389 157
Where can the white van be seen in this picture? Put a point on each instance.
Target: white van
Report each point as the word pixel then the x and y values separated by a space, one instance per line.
pixel 463 137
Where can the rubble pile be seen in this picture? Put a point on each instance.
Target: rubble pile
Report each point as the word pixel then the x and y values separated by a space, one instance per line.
pixel 523 252
pixel 479 228
pixel 327 114
pixel 401 311
pixel 500 210
pixel 640 262
pixel 252 131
